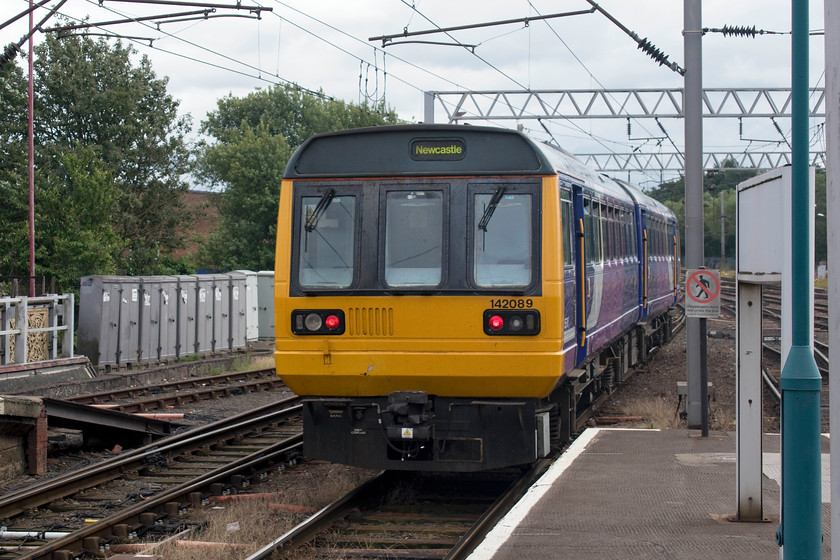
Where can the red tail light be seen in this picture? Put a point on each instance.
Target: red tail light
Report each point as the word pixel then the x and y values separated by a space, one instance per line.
pixel 496 323
pixel 332 322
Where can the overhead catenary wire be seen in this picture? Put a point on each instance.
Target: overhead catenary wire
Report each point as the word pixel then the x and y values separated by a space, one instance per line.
pixel 586 69
pixel 524 88
pixel 204 62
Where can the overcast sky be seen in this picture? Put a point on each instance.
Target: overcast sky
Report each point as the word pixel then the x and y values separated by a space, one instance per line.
pixel 323 45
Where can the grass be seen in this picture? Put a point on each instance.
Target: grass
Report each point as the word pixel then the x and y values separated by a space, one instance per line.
pixel 659 413
pixel 254 523
pixel 243 363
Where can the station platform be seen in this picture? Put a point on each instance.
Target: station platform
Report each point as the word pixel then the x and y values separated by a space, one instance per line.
pixel 644 494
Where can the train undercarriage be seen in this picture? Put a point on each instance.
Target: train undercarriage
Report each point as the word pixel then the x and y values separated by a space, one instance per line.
pixel 413 430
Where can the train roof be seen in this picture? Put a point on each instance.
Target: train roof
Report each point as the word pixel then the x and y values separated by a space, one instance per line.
pixel 450 150
pixel 418 150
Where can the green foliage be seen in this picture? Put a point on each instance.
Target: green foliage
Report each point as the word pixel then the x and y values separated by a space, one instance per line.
pixel 291 113
pixel 255 137
pixel 110 154
pixel 724 183
pixel 90 94
pixel 75 213
pixel 251 167
pixel 820 220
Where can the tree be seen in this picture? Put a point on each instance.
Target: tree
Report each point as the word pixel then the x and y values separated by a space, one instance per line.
pixel 251 168
pixel 14 213
pixel 725 182
pixel 289 112
pixel 75 212
pixel 90 94
pixel 255 137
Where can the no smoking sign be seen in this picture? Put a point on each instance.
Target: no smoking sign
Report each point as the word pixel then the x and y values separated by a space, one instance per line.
pixel 702 293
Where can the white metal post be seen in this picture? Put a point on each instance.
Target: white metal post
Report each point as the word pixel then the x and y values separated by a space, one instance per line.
pixel 428 107
pixel 68 311
pixel 22 328
pixel 748 391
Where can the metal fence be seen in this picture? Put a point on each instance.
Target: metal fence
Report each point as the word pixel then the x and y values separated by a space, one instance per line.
pixel 15 286
pixel 36 329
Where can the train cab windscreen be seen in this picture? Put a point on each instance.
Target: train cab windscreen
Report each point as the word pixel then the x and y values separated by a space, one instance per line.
pixel 413 238
pixel 328 238
pixel 503 232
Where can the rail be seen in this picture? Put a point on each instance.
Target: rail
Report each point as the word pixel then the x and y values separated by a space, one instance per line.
pixel 36 329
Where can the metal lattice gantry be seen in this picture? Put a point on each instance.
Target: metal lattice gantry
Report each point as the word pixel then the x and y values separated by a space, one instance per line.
pixel 616 103
pixel 634 104
pixel 674 161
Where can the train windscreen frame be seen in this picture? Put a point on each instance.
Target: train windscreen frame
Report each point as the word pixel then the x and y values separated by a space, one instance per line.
pixel 451 266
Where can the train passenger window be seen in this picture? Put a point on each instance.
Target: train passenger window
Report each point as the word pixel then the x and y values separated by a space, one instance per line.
pixel 597 249
pixel 568 227
pixel 503 250
pixel 587 229
pixel 413 238
pixel 327 240
pixel 618 229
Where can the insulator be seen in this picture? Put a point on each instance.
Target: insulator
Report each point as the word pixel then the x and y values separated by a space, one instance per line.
pixel 9 54
pixel 739 31
pixel 653 52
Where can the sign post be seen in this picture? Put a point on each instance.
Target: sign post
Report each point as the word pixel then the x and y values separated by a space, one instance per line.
pixel 702 301
pixel 702 290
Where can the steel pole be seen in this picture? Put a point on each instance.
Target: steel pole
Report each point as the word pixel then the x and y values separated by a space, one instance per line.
pixel 722 233
pixel 800 532
pixel 832 132
pixel 31 135
pixel 696 400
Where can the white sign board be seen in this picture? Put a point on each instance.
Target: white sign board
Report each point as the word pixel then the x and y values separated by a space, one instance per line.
pixel 702 293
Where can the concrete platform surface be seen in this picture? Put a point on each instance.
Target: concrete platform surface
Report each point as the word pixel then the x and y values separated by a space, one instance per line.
pixel 618 494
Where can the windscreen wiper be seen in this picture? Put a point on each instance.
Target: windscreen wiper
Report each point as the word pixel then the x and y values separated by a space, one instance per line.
pixel 312 219
pixel 488 212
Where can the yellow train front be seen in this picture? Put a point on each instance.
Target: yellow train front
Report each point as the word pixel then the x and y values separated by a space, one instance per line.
pixel 421 297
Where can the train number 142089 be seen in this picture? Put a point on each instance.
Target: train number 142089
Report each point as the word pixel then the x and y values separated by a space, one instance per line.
pixel 511 303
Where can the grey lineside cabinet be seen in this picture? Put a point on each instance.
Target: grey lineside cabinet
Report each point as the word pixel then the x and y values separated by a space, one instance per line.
pixel 127 319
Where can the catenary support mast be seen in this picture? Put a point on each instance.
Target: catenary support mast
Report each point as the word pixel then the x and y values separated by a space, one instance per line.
pixel 697 400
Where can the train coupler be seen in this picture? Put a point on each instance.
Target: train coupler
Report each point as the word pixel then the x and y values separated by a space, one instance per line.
pixel 408 416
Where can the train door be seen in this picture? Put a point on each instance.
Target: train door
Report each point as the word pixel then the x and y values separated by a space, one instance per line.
pixel 644 262
pixel 675 258
pixel 587 261
pixel 570 260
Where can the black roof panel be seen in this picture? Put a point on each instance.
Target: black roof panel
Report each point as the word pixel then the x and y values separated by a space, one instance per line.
pixel 418 150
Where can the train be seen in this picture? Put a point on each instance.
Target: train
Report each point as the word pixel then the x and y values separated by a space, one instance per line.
pixel 450 297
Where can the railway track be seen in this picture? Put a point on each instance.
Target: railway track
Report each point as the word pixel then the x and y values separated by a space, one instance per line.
pixel 771 345
pixel 177 471
pixel 183 392
pixel 395 516
pixel 399 515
